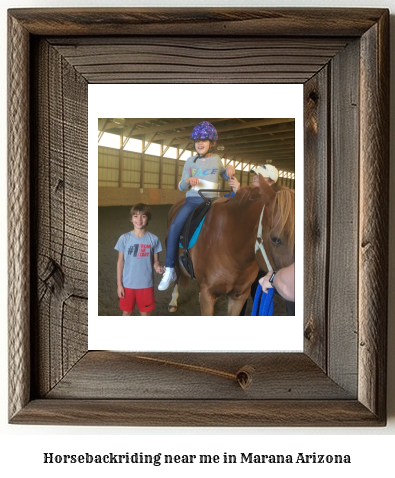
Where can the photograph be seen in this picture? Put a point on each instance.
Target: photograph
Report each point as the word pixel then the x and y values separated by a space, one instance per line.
pixel 157 183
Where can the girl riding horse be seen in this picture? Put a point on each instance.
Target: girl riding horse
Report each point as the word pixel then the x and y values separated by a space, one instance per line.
pixel 201 170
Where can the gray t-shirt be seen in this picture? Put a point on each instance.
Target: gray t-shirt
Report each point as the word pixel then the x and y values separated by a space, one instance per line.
pixel 206 169
pixel 138 253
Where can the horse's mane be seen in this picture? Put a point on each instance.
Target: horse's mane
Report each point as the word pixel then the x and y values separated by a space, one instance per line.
pixel 243 194
pixel 285 202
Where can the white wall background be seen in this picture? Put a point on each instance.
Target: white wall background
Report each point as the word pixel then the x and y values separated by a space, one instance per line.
pixel 23 446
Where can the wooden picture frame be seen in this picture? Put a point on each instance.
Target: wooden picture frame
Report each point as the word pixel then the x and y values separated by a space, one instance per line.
pixel 342 58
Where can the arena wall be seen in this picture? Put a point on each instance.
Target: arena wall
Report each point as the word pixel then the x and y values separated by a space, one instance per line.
pixel 126 178
pixel 110 196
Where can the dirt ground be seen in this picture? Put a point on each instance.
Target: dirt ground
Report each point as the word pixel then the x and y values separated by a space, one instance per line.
pixel 113 222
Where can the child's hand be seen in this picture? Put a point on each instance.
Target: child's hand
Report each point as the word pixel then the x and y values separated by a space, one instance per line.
pixel 159 269
pixel 121 292
pixel 230 171
pixel 192 181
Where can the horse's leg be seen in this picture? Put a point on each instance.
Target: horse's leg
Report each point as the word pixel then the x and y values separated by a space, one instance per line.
pixel 236 302
pixel 173 306
pixel 206 302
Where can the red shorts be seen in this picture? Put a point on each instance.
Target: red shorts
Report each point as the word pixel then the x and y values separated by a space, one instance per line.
pixel 144 297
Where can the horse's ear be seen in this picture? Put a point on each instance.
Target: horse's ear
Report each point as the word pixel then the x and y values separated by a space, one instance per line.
pixel 267 191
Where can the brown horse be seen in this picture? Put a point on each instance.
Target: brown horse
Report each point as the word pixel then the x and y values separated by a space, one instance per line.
pixel 226 257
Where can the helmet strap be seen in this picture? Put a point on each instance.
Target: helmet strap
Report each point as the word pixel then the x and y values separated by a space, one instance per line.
pixel 200 156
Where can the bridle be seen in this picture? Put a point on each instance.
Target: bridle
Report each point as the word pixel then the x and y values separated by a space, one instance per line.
pixel 259 245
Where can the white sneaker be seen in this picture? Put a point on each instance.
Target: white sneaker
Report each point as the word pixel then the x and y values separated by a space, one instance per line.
pixel 169 276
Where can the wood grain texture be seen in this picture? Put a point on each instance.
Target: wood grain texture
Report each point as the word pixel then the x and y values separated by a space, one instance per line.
pixel 18 218
pixel 343 220
pixel 373 227
pixel 202 413
pixel 204 375
pixel 164 59
pixel 217 22
pixel 317 205
pixel 335 381
pixel 61 200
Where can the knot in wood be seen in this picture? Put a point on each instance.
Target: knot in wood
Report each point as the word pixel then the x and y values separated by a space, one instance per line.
pixel 308 332
pixel 244 376
pixel 54 276
pixel 313 96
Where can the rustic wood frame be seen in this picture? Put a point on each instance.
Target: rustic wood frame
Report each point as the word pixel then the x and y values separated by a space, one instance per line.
pixel 340 378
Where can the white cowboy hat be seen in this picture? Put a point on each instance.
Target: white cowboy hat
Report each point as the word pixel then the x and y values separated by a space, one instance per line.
pixel 267 171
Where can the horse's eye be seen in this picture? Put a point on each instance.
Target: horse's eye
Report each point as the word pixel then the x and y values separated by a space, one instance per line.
pixel 276 241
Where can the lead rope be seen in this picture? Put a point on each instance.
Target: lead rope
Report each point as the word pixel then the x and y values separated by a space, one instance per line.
pixel 266 301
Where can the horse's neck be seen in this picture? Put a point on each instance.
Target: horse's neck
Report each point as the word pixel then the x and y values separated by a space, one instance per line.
pixel 245 216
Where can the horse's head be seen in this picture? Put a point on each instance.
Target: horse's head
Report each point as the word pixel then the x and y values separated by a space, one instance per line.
pixel 276 236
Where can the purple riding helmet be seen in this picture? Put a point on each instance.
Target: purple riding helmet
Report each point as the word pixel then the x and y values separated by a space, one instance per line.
pixel 204 130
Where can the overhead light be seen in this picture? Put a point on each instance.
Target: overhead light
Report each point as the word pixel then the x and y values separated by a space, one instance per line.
pixel 119 120
pixel 269 161
pixel 220 148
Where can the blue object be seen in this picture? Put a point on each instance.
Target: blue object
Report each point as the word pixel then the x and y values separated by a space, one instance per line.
pixel 195 235
pixel 263 301
pixel 204 130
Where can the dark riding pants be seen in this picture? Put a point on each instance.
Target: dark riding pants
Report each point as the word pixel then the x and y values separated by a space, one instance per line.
pixel 173 237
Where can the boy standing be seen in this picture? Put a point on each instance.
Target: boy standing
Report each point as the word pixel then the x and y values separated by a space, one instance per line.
pixel 138 255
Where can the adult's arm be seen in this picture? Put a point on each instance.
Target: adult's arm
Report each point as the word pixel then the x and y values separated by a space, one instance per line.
pixel 283 282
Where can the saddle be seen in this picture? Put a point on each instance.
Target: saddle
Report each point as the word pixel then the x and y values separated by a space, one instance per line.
pixel 192 227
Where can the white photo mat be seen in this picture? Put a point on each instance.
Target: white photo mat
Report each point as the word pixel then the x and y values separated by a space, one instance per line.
pixel 175 333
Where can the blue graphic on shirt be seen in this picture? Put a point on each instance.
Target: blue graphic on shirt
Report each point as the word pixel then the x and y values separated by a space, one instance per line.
pixel 200 172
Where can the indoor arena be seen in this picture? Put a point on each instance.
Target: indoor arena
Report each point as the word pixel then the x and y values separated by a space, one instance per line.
pixel 142 161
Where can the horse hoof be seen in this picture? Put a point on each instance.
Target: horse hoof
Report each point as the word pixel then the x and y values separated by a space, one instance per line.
pixel 172 308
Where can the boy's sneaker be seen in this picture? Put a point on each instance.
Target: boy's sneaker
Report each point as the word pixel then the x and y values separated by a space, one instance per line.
pixel 169 276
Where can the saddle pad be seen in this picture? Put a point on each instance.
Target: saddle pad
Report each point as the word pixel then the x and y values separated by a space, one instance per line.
pixel 192 224
pixel 195 235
